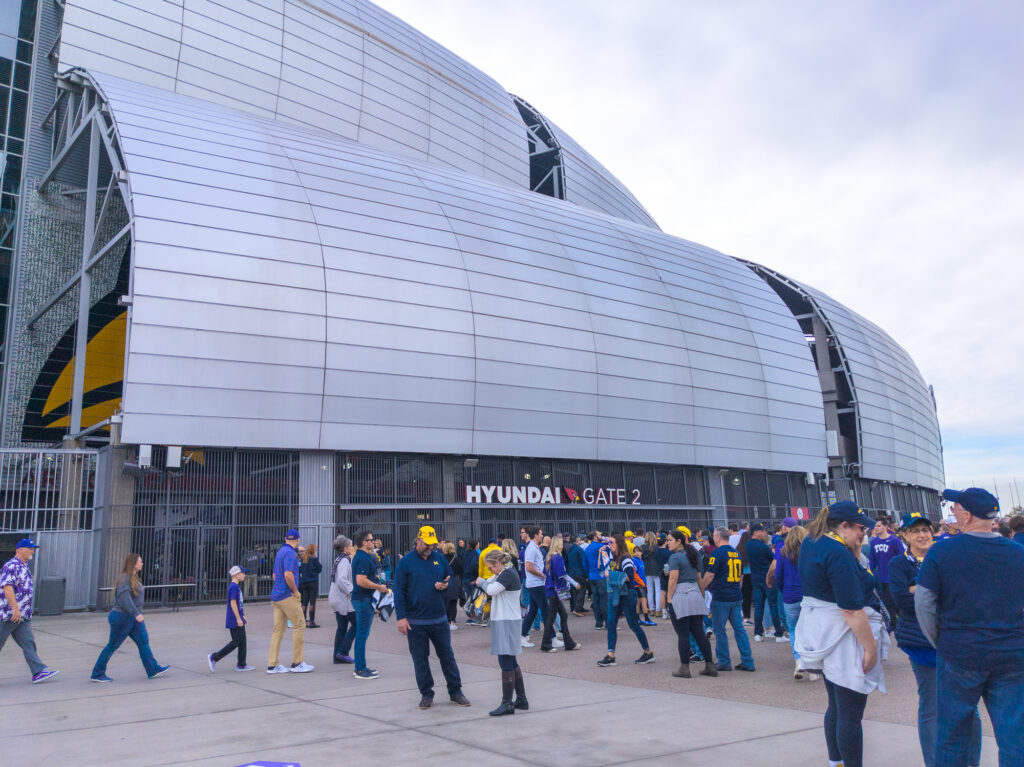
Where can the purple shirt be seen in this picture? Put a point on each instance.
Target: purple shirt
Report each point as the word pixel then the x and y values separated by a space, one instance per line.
pixel 234 593
pixel 882 552
pixel 787 579
pixel 16 574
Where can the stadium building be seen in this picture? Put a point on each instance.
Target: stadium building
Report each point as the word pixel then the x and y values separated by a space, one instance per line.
pixel 291 262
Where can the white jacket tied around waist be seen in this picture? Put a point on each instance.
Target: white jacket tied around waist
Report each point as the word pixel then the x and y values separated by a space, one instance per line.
pixel 824 641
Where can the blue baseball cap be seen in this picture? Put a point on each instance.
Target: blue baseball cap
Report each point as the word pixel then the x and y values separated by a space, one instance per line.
pixel 980 503
pixel 913 518
pixel 27 543
pixel 292 535
pixel 848 511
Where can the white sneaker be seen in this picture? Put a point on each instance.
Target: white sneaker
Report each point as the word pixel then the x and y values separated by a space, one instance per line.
pixel 557 643
pixel 301 668
pixel 453 627
pixel 243 668
pixel 212 662
pixel 526 643
pixel 811 676
pixel 781 640
pixel 758 638
pixel 277 670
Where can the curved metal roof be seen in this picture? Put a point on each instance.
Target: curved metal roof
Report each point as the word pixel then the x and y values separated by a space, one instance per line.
pixel 344 66
pixel 898 428
pixel 292 288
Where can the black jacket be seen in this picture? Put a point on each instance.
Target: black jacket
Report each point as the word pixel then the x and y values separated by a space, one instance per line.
pixel 902 575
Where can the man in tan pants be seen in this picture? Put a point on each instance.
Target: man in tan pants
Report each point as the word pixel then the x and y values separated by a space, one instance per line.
pixel 287 607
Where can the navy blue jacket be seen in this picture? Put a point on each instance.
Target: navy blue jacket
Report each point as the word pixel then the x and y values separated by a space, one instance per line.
pixel 576 562
pixel 416 599
pixel 902 575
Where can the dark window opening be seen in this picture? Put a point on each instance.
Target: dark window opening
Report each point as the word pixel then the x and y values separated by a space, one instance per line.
pixel 547 175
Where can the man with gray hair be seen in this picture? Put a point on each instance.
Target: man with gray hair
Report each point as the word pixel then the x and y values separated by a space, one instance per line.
pixel 723 579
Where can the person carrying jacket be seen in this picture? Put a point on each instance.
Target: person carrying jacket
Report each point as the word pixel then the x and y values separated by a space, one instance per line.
pixel 576 566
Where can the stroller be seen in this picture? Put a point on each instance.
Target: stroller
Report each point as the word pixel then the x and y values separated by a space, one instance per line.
pixel 478 606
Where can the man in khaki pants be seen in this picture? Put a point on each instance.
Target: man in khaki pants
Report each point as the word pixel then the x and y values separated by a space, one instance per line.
pixel 287 607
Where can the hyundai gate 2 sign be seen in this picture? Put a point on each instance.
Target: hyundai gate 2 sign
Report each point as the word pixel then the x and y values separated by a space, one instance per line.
pixel 610 496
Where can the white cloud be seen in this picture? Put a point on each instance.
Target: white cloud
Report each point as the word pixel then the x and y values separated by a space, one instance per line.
pixel 869 149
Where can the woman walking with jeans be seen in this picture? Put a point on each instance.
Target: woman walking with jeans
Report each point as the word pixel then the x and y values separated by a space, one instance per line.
pixel 126 621
pixel 787 576
pixel 556 590
pixel 622 598
pixel 340 599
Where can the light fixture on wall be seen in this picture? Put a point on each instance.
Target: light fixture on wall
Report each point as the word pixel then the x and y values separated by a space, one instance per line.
pixel 471 463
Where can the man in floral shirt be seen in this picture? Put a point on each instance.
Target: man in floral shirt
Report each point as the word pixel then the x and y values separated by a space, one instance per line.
pixel 16 608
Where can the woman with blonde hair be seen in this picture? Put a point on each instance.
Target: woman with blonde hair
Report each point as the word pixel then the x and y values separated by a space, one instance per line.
pixel 509 547
pixel 557 585
pixel 309 582
pixel 506 623
pixel 126 621
pixel 787 578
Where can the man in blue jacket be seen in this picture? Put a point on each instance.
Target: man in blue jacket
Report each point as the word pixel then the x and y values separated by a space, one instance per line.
pixel 421 578
pixel 597 578
pixel 576 565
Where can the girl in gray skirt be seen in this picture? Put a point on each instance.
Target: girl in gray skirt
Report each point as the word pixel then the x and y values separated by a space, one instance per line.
pixel 506 625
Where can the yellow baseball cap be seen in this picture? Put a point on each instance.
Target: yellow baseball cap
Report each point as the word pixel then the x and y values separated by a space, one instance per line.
pixel 685 531
pixel 427 534
pixel 629 536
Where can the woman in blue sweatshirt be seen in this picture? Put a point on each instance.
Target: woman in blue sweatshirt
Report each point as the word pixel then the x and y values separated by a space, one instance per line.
pixel 916 533
pixel 787 578
pixel 557 579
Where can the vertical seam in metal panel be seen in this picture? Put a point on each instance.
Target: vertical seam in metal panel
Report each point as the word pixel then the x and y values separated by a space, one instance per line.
pixel 280 68
pixel 469 292
pixel 323 272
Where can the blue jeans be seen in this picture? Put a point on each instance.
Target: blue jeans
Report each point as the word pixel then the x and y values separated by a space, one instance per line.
pixel 420 638
pixel 958 690
pixel 763 594
pixel 721 614
pixel 123 626
pixel 792 613
pixel 625 606
pixel 927 703
pixel 364 621
pixel 345 633
pixel 538 608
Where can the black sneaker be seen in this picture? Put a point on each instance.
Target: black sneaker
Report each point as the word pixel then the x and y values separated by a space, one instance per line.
pixel 743 667
pixel 459 699
pixel 647 657
pixel 607 660
pixel 723 667
pixel 426 701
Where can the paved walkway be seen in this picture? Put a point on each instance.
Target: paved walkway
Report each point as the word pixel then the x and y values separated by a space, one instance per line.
pixel 580 714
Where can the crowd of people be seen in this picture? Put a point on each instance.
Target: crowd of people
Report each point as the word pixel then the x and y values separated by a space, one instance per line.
pixel 950 595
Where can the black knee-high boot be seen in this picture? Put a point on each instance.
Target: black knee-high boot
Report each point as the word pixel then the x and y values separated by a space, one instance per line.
pixel 312 615
pixel 521 702
pixel 507 688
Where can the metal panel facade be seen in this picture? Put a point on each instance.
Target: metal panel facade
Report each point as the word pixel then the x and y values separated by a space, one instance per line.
pixel 296 289
pixel 899 429
pixel 346 67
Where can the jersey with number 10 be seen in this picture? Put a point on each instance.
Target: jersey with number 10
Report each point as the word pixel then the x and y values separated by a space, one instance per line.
pixel 727 566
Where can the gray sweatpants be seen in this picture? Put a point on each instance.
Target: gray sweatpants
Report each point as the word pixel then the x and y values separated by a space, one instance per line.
pixel 22 633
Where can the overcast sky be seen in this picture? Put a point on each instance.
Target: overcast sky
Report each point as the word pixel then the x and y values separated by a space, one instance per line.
pixel 872 149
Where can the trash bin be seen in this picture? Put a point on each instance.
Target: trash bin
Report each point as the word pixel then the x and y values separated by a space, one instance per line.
pixel 50 596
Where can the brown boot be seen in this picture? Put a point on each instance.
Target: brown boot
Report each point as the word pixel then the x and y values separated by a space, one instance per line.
pixel 709 669
pixel 683 671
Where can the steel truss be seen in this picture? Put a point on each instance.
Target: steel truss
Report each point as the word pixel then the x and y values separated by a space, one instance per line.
pixel 547 175
pixel 81 118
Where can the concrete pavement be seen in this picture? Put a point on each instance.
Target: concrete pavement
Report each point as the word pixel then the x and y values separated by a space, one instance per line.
pixel 580 714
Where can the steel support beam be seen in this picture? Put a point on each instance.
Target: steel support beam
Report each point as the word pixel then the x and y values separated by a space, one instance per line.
pixel 85 279
pixel 69 145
